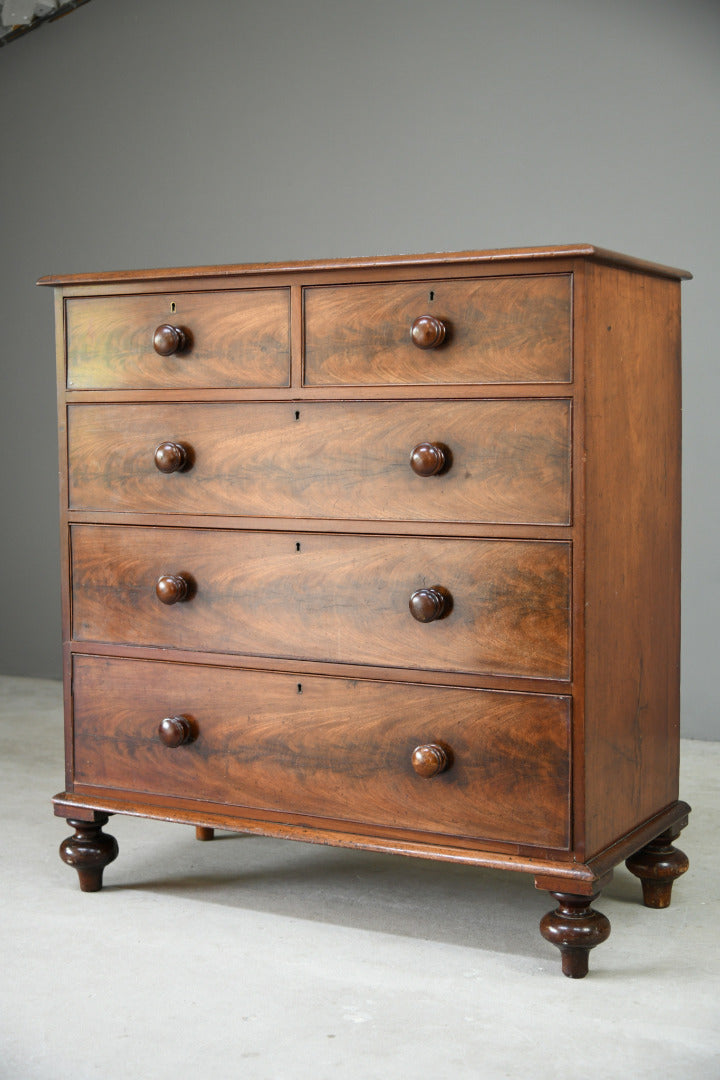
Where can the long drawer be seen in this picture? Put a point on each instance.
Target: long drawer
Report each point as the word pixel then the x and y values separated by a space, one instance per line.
pixel 484 330
pixel 230 338
pixel 504 608
pixel 327 747
pixel 505 461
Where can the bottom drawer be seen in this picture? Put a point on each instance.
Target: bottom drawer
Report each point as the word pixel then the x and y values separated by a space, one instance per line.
pixel 329 747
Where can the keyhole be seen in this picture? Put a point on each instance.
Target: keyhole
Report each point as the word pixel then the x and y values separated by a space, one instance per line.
pixel 299 688
pixel 173 307
pixel 297 415
pixel 297 546
pixel 432 295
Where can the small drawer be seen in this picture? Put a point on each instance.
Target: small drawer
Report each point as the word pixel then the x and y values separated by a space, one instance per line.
pixel 232 338
pixel 485 330
pixel 492 606
pixel 505 461
pixel 328 748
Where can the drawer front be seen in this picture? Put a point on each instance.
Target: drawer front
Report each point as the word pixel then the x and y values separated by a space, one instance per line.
pixel 328 748
pixel 505 604
pixel 506 461
pixel 496 330
pixel 233 338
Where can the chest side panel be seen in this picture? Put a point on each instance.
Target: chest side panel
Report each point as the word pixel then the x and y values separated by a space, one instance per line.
pixel 632 574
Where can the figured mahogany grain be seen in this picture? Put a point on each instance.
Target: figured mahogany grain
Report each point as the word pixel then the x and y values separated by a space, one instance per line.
pixel 504 329
pixel 328 597
pixel 234 338
pixel 332 748
pixel 510 459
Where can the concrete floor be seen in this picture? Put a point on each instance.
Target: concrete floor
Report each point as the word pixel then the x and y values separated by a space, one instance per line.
pixel 269 960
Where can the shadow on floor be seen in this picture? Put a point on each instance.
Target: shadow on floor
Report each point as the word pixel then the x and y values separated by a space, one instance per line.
pixel 426 900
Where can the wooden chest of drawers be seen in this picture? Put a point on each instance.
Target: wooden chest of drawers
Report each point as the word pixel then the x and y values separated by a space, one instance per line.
pixel 381 553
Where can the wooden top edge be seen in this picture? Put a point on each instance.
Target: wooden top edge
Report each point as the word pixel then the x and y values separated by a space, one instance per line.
pixel 440 259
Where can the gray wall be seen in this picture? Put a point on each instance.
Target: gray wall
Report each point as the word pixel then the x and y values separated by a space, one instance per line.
pixel 166 132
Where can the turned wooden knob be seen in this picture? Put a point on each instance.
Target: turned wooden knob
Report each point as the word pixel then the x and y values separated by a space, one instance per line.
pixel 427 332
pixel 426 605
pixel 428 459
pixel 175 730
pixel 172 588
pixel 169 339
pixel 170 457
pixel 429 760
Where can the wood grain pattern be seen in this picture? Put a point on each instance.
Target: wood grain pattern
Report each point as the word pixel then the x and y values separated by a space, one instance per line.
pixel 337 749
pixel 505 329
pixel 328 597
pixel 632 573
pixel 509 460
pixel 235 338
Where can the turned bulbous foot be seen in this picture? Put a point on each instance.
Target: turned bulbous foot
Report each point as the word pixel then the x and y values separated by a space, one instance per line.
pixel 89 851
pixel 575 928
pixel 658 865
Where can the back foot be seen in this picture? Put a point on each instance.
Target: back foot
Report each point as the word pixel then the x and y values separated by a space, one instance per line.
pixel 658 865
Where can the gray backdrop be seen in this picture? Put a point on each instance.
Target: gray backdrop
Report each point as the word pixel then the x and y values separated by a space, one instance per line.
pixel 151 133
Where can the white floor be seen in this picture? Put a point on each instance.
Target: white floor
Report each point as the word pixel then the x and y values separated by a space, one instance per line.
pixel 270 960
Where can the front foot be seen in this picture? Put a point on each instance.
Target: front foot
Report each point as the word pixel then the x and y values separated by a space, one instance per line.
pixel 89 851
pixel 657 865
pixel 575 928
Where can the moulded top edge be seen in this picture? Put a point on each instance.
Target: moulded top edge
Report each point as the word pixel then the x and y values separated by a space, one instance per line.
pixel 439 259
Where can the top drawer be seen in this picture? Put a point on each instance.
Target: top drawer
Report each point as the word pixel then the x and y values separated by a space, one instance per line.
pixel 233 338
pixel 486 330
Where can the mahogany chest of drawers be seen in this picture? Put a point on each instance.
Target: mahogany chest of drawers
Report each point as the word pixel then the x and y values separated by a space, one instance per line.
pixel 381 553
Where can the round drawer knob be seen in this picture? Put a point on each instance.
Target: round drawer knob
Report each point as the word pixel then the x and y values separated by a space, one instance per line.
pixel 170 457
pixel 175 730
pixel 428 459
pixel 429 760
pixel 427 332
pixel 426 605
pixel 169 339
pixel 172 588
